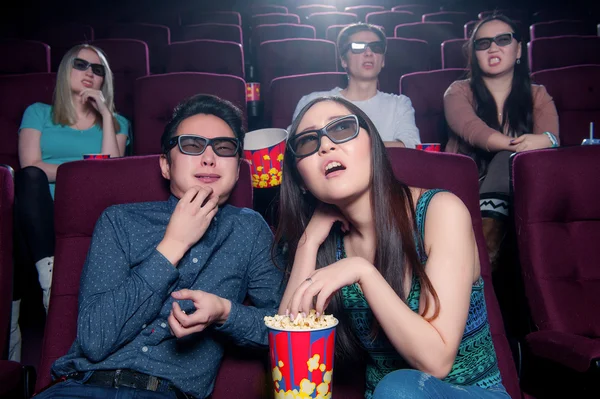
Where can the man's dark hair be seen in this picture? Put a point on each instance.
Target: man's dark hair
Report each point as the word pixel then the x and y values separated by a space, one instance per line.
pixel 208 105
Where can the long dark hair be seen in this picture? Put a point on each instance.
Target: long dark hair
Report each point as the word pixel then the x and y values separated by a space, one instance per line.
pixel 517 114
pixel 393 214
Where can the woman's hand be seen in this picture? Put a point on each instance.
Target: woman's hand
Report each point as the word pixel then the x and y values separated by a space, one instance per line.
pixel 528 142
pixel 96 99
pixel 323 283
pixel 321 223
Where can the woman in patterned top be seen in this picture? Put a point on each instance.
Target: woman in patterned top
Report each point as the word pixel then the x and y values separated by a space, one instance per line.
pixel 406 287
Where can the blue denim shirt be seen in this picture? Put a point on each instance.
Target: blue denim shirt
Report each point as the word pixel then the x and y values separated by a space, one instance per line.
pixel 124 298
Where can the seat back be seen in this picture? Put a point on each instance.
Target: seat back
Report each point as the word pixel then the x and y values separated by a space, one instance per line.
pixel 288 57
pixel 61 37
pixel 561 28
pixel 434 33
pixel 576 94
pixel 287 91
pixel 417 9
pixel 402 56
pixel 459 175
pixel 157 37
pixel 157 95
pixel 191 56
pixel 557 221
pixel 561 51
pixel 274 18
pixel 388 20
pixel 17 92
pixel 7 195
pixel 24 56
pixel 265 33
pixel 322 20
pixel 333 32
pixel 362 11
pixel 454 54
pixel 426 92
pixel 78 205
pixel 304 11
pixel 469 27
pixel 267 9
pixel 200 16
pixel 212 31
pixel 128 60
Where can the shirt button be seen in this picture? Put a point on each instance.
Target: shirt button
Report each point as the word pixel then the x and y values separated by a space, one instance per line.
pixel 163 325
pixel 195 260
pixel 144 326
pixel 145 349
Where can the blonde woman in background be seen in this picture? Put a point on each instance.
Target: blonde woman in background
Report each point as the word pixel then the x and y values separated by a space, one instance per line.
pixel 81 120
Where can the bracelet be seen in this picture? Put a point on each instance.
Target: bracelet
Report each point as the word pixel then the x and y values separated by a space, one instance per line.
pixel 552 138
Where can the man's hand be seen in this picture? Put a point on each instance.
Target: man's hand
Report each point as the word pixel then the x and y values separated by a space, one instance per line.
pixel 209 309
pixel 189 221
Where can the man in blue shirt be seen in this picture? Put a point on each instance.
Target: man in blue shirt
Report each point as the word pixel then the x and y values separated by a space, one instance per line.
pixel 164 282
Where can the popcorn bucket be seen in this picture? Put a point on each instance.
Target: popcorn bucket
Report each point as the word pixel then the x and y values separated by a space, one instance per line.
pixel 302 362
pixel 96 156
pixel 264 150
pixel 430 147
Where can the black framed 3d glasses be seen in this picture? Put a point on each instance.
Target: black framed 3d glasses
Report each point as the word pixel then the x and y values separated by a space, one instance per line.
pixel 360 47
pixel 83 65
pixel 339 131
pixel 190 144
pixel 484 43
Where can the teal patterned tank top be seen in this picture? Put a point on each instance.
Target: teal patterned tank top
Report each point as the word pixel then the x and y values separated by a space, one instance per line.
pixel 475 362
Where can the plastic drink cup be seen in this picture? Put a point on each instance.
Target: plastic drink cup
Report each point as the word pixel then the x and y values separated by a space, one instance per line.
pixel 591 140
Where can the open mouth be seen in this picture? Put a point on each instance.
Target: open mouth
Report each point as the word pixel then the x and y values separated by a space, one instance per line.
pixel 493 61
pixel 87 83
pixel 332 167
pixel 368 65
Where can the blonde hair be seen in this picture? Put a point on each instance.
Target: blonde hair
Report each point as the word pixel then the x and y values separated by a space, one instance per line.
pixel 63 109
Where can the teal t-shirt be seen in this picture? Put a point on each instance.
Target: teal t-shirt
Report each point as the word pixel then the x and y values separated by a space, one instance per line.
pixel 60 144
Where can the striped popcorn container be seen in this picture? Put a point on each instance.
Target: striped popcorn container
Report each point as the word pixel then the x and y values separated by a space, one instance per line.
pixel 429 147
pixel 264 150
pixel 302 362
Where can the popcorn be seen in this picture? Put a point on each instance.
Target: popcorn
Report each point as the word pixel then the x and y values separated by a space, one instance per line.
pixel 310 322
pixel 313 362
pixel 307 387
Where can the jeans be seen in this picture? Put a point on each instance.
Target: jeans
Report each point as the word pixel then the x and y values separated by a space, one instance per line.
pixel 34 224
pixel 71 389
pixel 494 189
pixel 414 384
